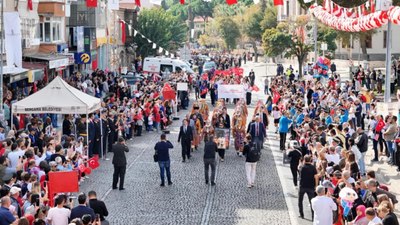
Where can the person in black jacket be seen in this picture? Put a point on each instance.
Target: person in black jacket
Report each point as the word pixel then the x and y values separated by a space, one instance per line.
pixel 112 131
pixel 186 135
pixel 252 154
pixel 295 155
pixel 210 148
pixel 162 150
pixel 362 144
pixel 98 207
pixel 119 162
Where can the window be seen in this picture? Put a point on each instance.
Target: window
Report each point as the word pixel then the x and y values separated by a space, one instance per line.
pixel 384 38
pixel 50 30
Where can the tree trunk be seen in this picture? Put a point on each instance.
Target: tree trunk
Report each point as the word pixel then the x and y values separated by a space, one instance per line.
pixel 255 51
pixel 300 60
pixel 363 46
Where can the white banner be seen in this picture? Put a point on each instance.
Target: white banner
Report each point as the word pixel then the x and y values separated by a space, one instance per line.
pixel 13 43
pixel 182 86
pixel 231 91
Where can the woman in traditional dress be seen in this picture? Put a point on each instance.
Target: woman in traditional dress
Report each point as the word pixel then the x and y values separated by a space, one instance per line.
pixel 238 132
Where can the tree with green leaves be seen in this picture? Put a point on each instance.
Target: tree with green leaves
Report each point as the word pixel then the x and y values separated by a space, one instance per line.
pixel 229 31
pixel 275 42
pixel 162 28
pixel 328 36
pixel 252 28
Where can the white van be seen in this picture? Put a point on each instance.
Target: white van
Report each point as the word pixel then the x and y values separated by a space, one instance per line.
pixel 163 65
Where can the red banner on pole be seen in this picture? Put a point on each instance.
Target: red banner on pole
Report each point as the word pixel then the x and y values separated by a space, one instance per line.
pixel 91 3
pixel 231 2
pixel 278 2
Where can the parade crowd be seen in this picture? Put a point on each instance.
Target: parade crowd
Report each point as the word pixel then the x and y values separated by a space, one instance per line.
pixel 325 129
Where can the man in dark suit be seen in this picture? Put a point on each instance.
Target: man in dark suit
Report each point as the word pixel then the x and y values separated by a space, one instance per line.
pixel 257 132
pixel 92 135
pixel 186 135
pixel 119 162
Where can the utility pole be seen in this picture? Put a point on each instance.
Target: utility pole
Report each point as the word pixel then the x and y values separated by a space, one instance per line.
pixel 315 36
pixel 388 61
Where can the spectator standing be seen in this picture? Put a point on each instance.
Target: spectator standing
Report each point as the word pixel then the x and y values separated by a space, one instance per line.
pixel 98 207
pixel 362 144
pixel 119 162
pixel 323 207
pixel 81 209
pixel 210 149
pixel 6 217
pixel 284 123
pixel 162 150
pixel 59 215
pixel 389 135
pixel 308 182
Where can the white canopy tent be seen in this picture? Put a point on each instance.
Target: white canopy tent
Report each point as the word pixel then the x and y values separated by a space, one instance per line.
pixel 58 97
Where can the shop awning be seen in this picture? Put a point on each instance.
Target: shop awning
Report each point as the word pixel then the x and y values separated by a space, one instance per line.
pixel 54 61
pixel 15 73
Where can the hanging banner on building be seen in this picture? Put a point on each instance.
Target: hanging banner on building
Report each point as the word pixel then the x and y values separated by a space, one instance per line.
pixel 80 39
pixel 113 4
pixel 83 58
pixel 231 91
pixel 13 42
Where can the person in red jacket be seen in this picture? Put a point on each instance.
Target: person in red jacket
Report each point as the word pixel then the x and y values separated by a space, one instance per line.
pixel 378 138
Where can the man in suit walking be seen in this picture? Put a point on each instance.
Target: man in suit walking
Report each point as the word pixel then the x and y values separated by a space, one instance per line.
pixel 119 162
pixel 257 132
pixel 186 135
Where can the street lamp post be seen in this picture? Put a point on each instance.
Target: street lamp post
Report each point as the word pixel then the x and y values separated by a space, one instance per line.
pixel 388 61
pixel 315 36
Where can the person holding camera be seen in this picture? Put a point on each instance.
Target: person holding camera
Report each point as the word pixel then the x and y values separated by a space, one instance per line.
pixel 162 157
pixel 119 162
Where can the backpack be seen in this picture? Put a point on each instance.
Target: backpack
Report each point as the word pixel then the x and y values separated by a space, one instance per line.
pixel 254 154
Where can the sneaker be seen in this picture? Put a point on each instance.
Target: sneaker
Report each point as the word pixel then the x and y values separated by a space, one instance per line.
pixel 212 183
pixel 249 185
pixel 206 181
pixel 162 185
pixel 170 183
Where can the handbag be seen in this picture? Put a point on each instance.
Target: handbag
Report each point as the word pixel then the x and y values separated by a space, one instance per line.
pixel 155 157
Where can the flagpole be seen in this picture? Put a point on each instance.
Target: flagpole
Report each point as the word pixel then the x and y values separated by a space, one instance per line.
pixel 315 36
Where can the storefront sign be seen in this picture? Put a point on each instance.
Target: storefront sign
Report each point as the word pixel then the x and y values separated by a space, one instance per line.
pixel 58 63
pixel 83 58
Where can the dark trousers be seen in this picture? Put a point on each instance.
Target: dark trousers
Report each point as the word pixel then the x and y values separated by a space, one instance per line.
pixel 310 193
pixel 91 148
pixel 186 150
pixel 139 130
pixel 221 153
pixel 207 164
pixel 104 147
pixel 248 98
pixel 293 169
pixel 282 140
pixel 110 141
pixel 119 173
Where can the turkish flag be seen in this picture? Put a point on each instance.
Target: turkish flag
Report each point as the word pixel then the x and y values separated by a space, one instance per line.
pixel 30 5
pixel 82 168
pixel 137 2
pixel 372 5
pixel 278 2
pixel 275 97
pixel 182 2
pixel 93 163
pixel 123 31
pixel 168 93
pixel 91 3
pixel 363 10
pixel 231 2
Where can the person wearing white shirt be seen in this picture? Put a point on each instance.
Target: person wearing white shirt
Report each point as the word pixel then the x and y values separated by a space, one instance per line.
pixel 371 217
pixel 59 215
pixel 323 207
pixel 15 155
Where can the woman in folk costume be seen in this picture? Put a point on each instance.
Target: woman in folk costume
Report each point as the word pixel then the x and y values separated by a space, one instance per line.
pixel 239 132
pixel 207 131
pixel 203 109
pixel 221 140
pixel 195 123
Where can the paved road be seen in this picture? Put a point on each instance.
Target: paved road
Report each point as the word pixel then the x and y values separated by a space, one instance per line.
pixel 189 200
